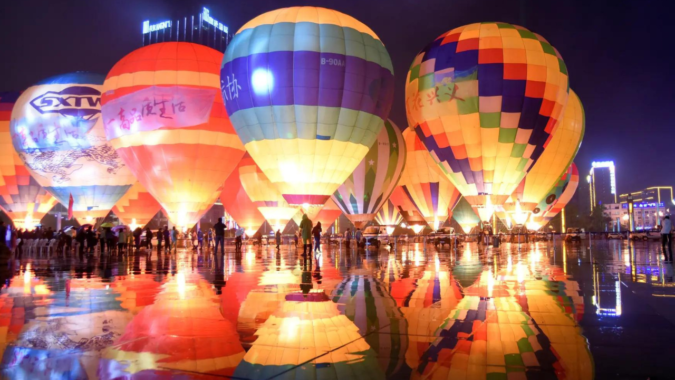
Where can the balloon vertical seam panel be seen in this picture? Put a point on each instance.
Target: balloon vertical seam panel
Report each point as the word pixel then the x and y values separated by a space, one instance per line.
pixel 463 54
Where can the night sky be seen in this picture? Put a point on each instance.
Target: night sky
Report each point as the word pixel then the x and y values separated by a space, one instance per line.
pixel 617 52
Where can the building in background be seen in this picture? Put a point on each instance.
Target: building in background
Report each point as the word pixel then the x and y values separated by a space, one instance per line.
pixel 647 215
pixel 198 27
pixel 602 183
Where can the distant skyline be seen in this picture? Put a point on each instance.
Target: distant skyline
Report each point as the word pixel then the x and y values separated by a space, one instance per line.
pixel 617 54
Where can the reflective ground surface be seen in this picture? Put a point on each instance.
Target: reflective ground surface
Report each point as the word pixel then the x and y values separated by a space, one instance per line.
pixel 534 311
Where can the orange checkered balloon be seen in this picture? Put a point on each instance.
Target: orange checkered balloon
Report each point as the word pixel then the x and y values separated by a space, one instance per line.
pixel 164 115
pixel 484 99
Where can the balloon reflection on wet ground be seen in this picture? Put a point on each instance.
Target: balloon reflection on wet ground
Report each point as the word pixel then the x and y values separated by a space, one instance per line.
pixel 539 310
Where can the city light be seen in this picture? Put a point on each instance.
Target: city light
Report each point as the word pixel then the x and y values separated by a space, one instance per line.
pixel 612 172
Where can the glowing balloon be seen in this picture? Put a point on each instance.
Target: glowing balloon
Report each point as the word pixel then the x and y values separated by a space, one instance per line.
pixel 307 90
pixel 465 215
pixel 388 215
pixel 238 204
pixel 558 198
pixel 137 207
pixel 165 118
pixel 484 98
pixel 264 194
pixel 21 197
pixel 558 154
pixel 427 187
pixel 374 179
pixel 406 208
pixel 328 215
pixel 57 129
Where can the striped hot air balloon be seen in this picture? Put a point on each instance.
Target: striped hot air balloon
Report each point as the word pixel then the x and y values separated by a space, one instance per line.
pixel 238 203
pixel 465 215
pixel 485 98
pixel 374 179
pixel 165 118
pixel 427 187
pixel 57 130
pixel 406 208
pixel 137 207
pixel 21 196
pixel 307 90
pixel 328 215
pixel 264 194
pixel 558 154
pixel 559 197
pixel 388 216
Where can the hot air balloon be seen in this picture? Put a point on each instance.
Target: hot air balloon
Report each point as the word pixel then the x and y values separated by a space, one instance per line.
pixel 427 187
pixel 465 215
pixel 137 207
pixel 374 179
pixel 264 194
pixel 388 216
pixel 554 161
pixel 57 130
pixel 559 197
pixel 328 215
pixel 408 210
pixel 166 120
pixel 21 196
pixel 308 90
pixel 239 205
pixel 484 98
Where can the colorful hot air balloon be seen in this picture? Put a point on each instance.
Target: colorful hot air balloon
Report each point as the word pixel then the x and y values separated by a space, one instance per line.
pixel 239 205
pixel 427 187
pixel 57 130
pixel 307 90
pixel 556 159
pixel 484 98
pixel 559 197
pixel 137 207
pixel 388 216
pixel 465 215
pixel 166 120
pixel 21 196
pixel 374 179
pixel 264 194
pixel 328 215
pixel 407 209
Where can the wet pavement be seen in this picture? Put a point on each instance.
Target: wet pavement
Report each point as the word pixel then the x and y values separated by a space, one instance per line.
pixel 532 311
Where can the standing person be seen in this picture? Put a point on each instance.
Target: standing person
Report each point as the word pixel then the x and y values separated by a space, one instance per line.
pixel 200 238
pixel 160 238
pixel 167 239
pixel 358 237
pixel 122 240
pixel 295 238
pixel 80 237
pixel 209 238
pixel 174 237
pixel 91 240
pixel 316 231
pixel 148 238
pixel 220 235
pixel 666 227
pixel 348 237
pixel 49 234
pixel 238 239
pixel 306 228
pixel 110 238
pixel 137 237
pixel 278 238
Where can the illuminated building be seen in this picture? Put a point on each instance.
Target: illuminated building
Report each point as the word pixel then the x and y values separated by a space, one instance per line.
pixel 650 202
pixel 602 183
pixel 200 28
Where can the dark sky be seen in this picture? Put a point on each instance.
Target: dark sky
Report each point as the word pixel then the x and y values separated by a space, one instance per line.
pixel 617 52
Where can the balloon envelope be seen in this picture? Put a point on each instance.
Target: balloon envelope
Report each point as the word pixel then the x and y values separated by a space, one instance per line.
pixel 239 205
pixel 557 157
pixel 427 187
pixel 388 215
pixel 484 98
pixel 372 182
pixel 21 196
pixel 57 130
pixel 165 118
pixel 328 215
pixel 137 207
pixel 465 215
pixel 558 198
pixel 307 90
pixel 264 194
